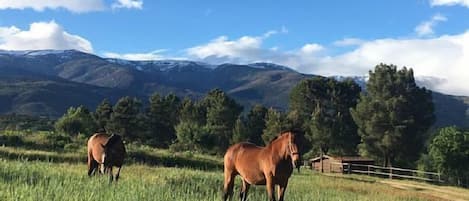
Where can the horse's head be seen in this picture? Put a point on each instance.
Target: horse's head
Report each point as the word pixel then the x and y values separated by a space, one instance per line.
pixel 110 150
pixel 292 148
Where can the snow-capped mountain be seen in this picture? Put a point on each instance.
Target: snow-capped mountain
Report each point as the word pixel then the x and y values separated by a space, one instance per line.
pixel 161 65
pixel 47 82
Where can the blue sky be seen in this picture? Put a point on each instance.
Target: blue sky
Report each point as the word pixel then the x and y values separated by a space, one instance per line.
pixel 321 37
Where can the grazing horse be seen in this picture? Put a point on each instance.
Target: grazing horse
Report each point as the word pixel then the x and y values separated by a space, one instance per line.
pixel 105 151
pixel 271 165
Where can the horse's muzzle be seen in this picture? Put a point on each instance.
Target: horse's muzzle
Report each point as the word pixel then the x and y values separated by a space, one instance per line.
pixel 296 161
pixel 297 165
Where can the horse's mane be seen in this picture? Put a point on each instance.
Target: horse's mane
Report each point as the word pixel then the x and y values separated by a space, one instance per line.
pixel 113 140
pixel 281 134
pixel 294 131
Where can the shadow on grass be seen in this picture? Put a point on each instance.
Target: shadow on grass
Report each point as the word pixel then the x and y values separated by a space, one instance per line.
pixel 136 157
pixel 174 161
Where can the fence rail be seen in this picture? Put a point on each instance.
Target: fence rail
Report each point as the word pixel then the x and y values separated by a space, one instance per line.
pixel 391 172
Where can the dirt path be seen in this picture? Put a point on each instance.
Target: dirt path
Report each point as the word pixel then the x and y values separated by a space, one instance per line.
pixel 443 192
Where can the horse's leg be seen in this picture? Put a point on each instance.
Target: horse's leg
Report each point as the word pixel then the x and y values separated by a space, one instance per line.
pixel 229 184
pixel 281 190
pixel 111 176
pixel 270 187
pixel 118 173
pixel 244 191
pixel 90 163
pixel 102 168
pixel 92 166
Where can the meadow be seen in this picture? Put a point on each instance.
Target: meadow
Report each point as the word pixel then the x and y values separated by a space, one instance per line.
pixel 29 180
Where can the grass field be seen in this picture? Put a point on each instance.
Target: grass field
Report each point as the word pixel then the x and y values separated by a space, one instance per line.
pixel 34 180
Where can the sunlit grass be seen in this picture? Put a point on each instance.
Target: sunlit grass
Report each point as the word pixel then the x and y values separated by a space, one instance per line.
pixel 34 180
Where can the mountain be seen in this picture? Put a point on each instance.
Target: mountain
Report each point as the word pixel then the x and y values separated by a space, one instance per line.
pixel 47 82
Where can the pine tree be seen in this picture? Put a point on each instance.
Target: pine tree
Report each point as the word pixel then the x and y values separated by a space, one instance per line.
pixel 240 132
pixel 329 124
pixel 163 115
pixel 222 112
pixel 126 118
pixel 274 124
pixel 190 130
pixel 255 124
pixel 393 116
pixel 102 115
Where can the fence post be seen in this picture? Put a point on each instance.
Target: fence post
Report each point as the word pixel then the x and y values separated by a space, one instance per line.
pixel 390 172
pixel 368 170
pixel 350 168
pixel 439 177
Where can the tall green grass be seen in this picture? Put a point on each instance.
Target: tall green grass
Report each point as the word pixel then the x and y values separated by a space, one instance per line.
pixel 33 180
pixel 136 155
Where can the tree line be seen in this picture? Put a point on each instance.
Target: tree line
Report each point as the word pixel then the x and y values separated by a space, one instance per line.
pixel 390 121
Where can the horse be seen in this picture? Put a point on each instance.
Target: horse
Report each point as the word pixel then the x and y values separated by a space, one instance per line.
pixel 271 165
pixel 105 151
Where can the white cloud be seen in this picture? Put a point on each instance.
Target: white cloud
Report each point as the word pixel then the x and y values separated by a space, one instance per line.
pixel 8 31
pixel 77 6
pixel 41 35
pixel 311 48
pixel 222 50
pixel 426 28
pixel 445 58
pixel 242 50
pixel 137 4
pixel 154 55
pixel 349 42
pixel 283 30
pixel 449 2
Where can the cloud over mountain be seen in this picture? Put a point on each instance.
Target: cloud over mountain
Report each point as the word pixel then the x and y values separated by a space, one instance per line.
pixel 449 2
pixel 445 57
pixel 78 6
pixel 42 35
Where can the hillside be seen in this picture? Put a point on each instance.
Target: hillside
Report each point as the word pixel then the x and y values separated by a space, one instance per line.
pixel 49 81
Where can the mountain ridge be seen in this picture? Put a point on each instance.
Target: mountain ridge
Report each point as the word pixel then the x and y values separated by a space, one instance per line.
pixel 92 78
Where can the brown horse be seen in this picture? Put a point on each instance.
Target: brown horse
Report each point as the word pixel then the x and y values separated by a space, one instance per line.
pixel 105 151
pixel 271 165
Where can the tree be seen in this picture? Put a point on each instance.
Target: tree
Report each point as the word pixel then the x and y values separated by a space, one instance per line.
pixel 240 132
pixel 222 112
pixel 163 115
pixel 320 107
pixel 102 115
pixel 190 130
pixel 255 124
pixel 274 124
pixel 393 116
pixel 126 118
pixel 449 151
pixel 75 121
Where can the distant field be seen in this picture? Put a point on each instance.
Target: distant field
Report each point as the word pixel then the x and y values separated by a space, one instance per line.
pixel 34 180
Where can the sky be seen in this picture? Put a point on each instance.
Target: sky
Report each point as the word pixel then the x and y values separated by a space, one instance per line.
pixel 327 38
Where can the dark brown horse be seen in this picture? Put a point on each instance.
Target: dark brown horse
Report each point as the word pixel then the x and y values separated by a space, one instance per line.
pixel 271 165
pixel 105 151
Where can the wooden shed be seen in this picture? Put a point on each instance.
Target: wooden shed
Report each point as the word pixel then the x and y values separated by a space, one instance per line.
pixel 337 164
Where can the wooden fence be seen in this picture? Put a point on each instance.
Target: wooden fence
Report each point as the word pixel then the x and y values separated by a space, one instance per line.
pixel 389 172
